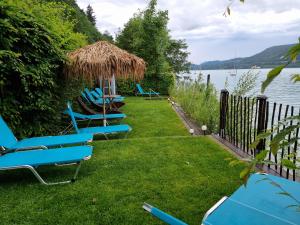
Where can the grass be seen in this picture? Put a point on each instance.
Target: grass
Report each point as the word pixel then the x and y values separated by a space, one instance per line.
pixel 159 164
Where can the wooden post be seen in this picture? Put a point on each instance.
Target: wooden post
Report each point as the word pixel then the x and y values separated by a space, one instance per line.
pixel 208 80
pixel 261 121
pixel 103 97
pixel 223 112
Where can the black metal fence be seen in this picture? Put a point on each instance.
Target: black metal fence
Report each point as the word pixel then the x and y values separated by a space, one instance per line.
pixel 243 118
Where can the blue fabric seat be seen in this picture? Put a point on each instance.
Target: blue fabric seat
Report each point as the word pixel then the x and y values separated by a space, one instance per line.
pixel 97 116
pixel 97 130
pixel 10 142
pixel 258 203
pixel 31 159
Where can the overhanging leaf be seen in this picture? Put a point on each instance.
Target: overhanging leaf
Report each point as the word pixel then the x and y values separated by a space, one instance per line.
pixel 262 155
pixel 288 164
pixel 295 78
pixel 271 76
pixel 275 143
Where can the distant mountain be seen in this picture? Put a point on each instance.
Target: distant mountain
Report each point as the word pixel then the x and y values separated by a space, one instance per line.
pixel 268 58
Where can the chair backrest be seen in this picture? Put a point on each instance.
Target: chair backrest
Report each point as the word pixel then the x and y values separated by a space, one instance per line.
pixel 100 92
pixel 84 96
pixel 89 95
pixel 95 94
pixel 72 117
pixel 7 138
pixel 140 89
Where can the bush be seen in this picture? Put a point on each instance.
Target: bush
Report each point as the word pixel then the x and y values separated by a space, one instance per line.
pixel 31 56
pixel 198 101
pixel 126 87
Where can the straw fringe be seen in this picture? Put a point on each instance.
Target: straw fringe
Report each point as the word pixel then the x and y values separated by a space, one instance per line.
pixel 103 60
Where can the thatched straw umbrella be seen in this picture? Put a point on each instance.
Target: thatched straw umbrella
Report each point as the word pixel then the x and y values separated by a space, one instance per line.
pixel 102 61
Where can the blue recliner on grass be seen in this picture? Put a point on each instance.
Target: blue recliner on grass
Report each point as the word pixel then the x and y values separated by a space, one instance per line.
pixel 96 100
pixel 9 142
pixel 150 93
pixel 261 202
pixel 105 130
pixel 118 98
pixel 83 117
pixel 31 159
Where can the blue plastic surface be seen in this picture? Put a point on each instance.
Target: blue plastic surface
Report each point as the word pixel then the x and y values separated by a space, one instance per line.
pixel 96 117
pixel 142 92
pixel 97 130
pixel 91 98
pixel 45 157
pixel 51 141
pixel 259 204
pixel 106 130
pixel 166 217
pixel 8 140
pixel 116 99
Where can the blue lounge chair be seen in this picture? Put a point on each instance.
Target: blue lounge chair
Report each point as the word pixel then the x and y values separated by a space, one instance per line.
pixel 97 130
pixel 10 143
pixel 259 203
pixel 80 116
pixel 112 107
pixel 118 98
pixel 95 97
pixel 149 93
pixel 90 98
pixel 31 159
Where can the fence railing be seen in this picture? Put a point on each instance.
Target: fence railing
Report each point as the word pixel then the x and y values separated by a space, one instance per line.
pixel 243 118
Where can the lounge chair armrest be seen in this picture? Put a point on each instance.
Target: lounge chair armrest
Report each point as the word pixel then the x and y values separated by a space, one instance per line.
pixel 30 148
pixel 162 215
pixel 151 90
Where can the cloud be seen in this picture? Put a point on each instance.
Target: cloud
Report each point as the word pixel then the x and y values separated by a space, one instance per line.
pixel 202 22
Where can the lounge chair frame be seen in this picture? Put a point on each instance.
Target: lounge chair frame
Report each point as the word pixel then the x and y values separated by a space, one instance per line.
pixel 151 92
pixel 41 180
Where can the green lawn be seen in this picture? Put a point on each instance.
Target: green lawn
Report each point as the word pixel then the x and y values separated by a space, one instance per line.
pixel 159 164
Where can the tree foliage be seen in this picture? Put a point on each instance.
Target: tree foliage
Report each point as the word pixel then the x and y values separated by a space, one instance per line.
pixel 34 37
pixel 81 23
pixel 90 14
pixel 147 36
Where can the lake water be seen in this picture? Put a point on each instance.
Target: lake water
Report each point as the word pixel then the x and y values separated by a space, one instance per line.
pixel 281 90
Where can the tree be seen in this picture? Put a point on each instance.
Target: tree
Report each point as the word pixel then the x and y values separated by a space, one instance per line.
pixel 177 56
pixel 147 35
pixel 90 14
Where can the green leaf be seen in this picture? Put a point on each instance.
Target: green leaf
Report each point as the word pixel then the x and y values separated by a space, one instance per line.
pixel 262 155
pixel 245 173
pixel 235 162
pixel 294 51
pixel 275 143
pixel 288 164
pixel 295 78
pixel 260 137
pixel 271 76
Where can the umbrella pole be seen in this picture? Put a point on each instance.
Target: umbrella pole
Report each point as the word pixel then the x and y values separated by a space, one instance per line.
pixel 103 97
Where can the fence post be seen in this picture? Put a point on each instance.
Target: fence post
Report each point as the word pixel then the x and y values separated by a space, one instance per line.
pixel 261 121
pixel 223 112
pixel 207 80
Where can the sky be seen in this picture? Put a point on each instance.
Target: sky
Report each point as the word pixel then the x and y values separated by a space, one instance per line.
pixel 250 28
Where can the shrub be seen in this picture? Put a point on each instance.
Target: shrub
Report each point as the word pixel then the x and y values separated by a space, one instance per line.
pixel 198 101
pixel 31 55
